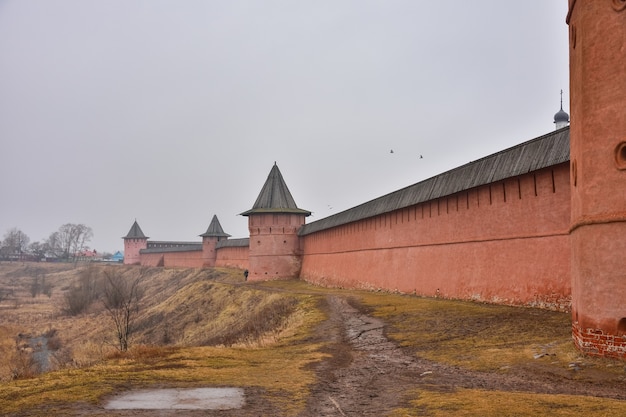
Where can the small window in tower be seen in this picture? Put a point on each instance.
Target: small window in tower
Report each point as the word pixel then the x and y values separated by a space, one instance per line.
pixel 621 326
pixel 620 155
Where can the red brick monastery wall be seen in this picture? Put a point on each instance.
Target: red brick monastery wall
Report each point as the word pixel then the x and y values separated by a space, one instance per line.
pixel 230 257
pixel 233 257
pixel 189 259
pixel 506 242
pixel 151 259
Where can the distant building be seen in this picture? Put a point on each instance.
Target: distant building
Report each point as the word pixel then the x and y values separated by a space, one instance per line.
pixel 88 254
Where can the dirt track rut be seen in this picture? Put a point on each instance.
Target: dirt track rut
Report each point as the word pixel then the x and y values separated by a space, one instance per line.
pixel 367 370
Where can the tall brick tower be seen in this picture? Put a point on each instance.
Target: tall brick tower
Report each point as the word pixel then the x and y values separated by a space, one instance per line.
pixel 213 234
pixel 134 241
pixel 273 222
pixel 598 174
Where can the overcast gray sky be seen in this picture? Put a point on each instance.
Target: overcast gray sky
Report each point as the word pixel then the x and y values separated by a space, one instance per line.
pixel 171 111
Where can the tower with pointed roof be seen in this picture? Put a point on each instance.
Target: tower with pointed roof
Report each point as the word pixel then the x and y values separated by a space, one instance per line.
pixel 134 242
pixel 273 222
pixel 213 234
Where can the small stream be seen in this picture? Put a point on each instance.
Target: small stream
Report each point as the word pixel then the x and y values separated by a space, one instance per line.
pixel 41 353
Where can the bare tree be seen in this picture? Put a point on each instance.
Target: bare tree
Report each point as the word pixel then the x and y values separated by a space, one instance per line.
pixel 69 240
pixel 38 249
pixel 35 285
pixel 121 300
pixel 53 245
pixel 15 242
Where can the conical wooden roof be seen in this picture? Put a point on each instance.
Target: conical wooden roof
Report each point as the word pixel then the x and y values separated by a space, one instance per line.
pixel 135 232
pixel 275 197
pixel 215 229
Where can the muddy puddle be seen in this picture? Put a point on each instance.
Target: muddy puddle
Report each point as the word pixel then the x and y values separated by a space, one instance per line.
pixel 179 399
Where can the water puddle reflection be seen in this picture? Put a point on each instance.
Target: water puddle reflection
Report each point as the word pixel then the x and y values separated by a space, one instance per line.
pixel 179 399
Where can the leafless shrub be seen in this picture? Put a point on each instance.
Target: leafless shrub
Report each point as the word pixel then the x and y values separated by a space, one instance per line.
pixel 35 286
pixel 76 301
pixel 54 342
pixel 39 285
pixel 83 293
pixel 121 298
pixel 23 363
pixel 89 280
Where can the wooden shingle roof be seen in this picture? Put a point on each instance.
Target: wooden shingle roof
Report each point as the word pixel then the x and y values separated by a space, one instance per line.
pixel 191 247
pixel 233 243
pixel 275 197
pixel 135 232
pixel 215 229
pixel 542 152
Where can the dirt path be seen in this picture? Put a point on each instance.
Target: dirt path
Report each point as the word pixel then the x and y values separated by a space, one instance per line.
pixel 364 376
pixel 368 375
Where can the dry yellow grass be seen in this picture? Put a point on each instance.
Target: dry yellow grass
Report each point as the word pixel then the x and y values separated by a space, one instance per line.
pixel 511 404
pixel 489 338
pixel 195 305
pixel 477 336
pixel 190 303
pixel 281 372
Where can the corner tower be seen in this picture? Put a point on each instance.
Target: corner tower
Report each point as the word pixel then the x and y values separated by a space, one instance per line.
pixel 213 234
pixel 134 241
pixel 273 223
pixel 598 174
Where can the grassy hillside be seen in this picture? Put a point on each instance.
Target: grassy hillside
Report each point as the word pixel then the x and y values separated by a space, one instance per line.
pixel 177 308
pixel 196 328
